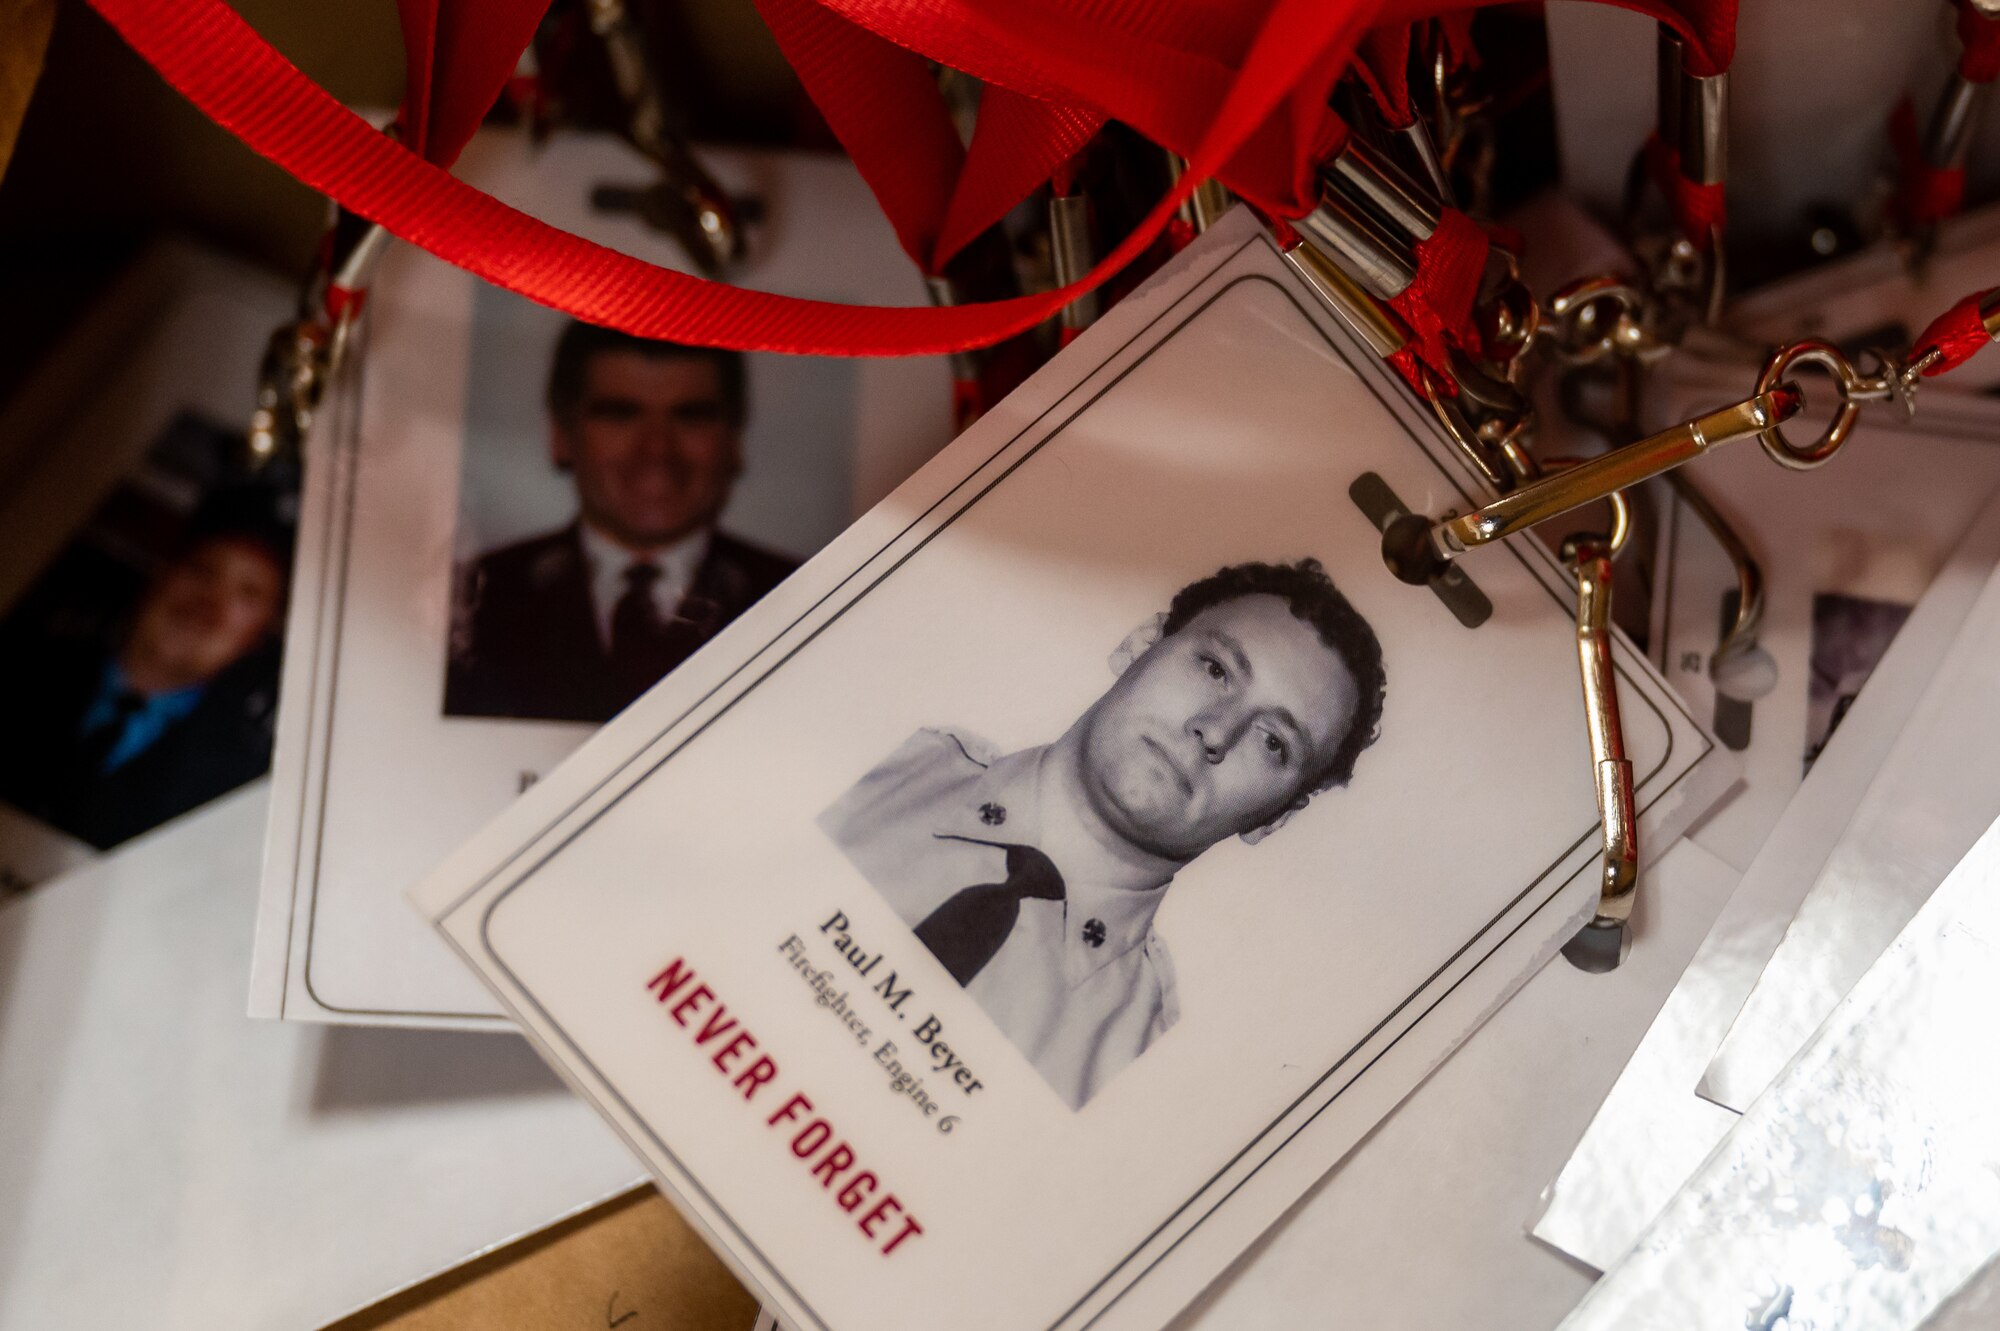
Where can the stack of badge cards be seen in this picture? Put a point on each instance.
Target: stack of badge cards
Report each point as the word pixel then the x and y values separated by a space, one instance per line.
pixel 1609 1191
pixel 1844 553
pixel 517 523
pixel 1839 861
pixel 1098 807
pixel 1862 1189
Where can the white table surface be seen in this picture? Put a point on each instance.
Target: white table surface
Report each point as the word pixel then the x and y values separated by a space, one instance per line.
pixel 168 1163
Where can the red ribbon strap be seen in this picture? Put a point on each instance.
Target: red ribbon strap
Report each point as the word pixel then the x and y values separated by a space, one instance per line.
pixel 883 103
pixel 1979 36
pixel 1955 335
pixel 1237 87
pixel 1925 194
pixel 1438 304
pixel 214 59
pixel 458 56
pixel 1699 210
pixel 1382 62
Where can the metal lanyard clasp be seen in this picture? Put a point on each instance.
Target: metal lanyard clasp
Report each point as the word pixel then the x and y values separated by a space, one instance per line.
pixel 303 353
pixel 687 203
pixel 1600 946
pixel 1417 548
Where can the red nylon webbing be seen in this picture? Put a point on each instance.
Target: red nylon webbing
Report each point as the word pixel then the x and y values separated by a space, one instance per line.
pixel 1382 62
pixel 212 57
pixel 1438 304
pixel 1925 194
pixel 1017 143
pixel 1979 36
pixel 1160 66
pixel 1956 335
pixel 458 56
pixel 1237 88
pixel 1699 210
pixel 883 103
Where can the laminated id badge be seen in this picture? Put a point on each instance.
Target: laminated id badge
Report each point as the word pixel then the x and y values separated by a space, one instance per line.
pixel 1077 857
pixel 496 557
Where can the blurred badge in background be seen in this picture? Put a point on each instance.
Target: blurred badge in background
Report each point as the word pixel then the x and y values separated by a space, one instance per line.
pixel 138 675
pixel 514 524
pixel 144 561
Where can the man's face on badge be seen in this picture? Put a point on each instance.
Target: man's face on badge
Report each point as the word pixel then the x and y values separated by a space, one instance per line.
pixel 652 446
pixel 1218 728
pixel 208 609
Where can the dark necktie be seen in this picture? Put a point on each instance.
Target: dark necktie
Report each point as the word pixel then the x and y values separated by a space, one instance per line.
pixel 85 761
pixel 970 926
pixel 641 645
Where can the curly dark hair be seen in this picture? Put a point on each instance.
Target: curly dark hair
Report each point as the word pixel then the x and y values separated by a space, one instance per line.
pixel 580 342
pixel 1310 593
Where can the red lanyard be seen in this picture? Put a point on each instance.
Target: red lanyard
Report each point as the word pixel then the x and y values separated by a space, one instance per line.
pixel 214 59
pixel 1239 89
pixel 458 56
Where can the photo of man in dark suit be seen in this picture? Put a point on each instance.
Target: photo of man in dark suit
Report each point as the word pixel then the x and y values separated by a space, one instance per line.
pixel 105 734
pixel 572 625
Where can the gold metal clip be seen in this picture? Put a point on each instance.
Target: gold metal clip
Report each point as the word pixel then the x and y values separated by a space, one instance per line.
pixel 1600 945
pixel 1416 547
pixel 302 355
pixel 687 203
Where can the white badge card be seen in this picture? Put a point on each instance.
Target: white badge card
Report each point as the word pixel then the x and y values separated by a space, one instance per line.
pixel 1845 552
pixel 914 943
pixel 143 561
pixel 1442 1184
pixel 520 523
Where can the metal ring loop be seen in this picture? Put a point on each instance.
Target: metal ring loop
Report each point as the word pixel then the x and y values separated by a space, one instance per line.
pixel 1813 351
pixel 1583 331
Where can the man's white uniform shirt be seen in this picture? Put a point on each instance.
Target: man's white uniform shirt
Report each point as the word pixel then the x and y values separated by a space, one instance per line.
pixel 1081 985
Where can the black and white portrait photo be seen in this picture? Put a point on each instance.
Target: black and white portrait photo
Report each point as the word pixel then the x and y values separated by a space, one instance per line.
pixel 572 623
pixel 1034 876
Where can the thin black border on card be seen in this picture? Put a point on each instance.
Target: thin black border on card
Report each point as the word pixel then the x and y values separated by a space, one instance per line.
pixel 1373 379
pixel 344 456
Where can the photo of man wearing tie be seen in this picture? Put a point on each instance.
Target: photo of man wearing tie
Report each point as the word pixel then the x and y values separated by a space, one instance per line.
pixel 114 726
pixel 573 624
pixel 1034 876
